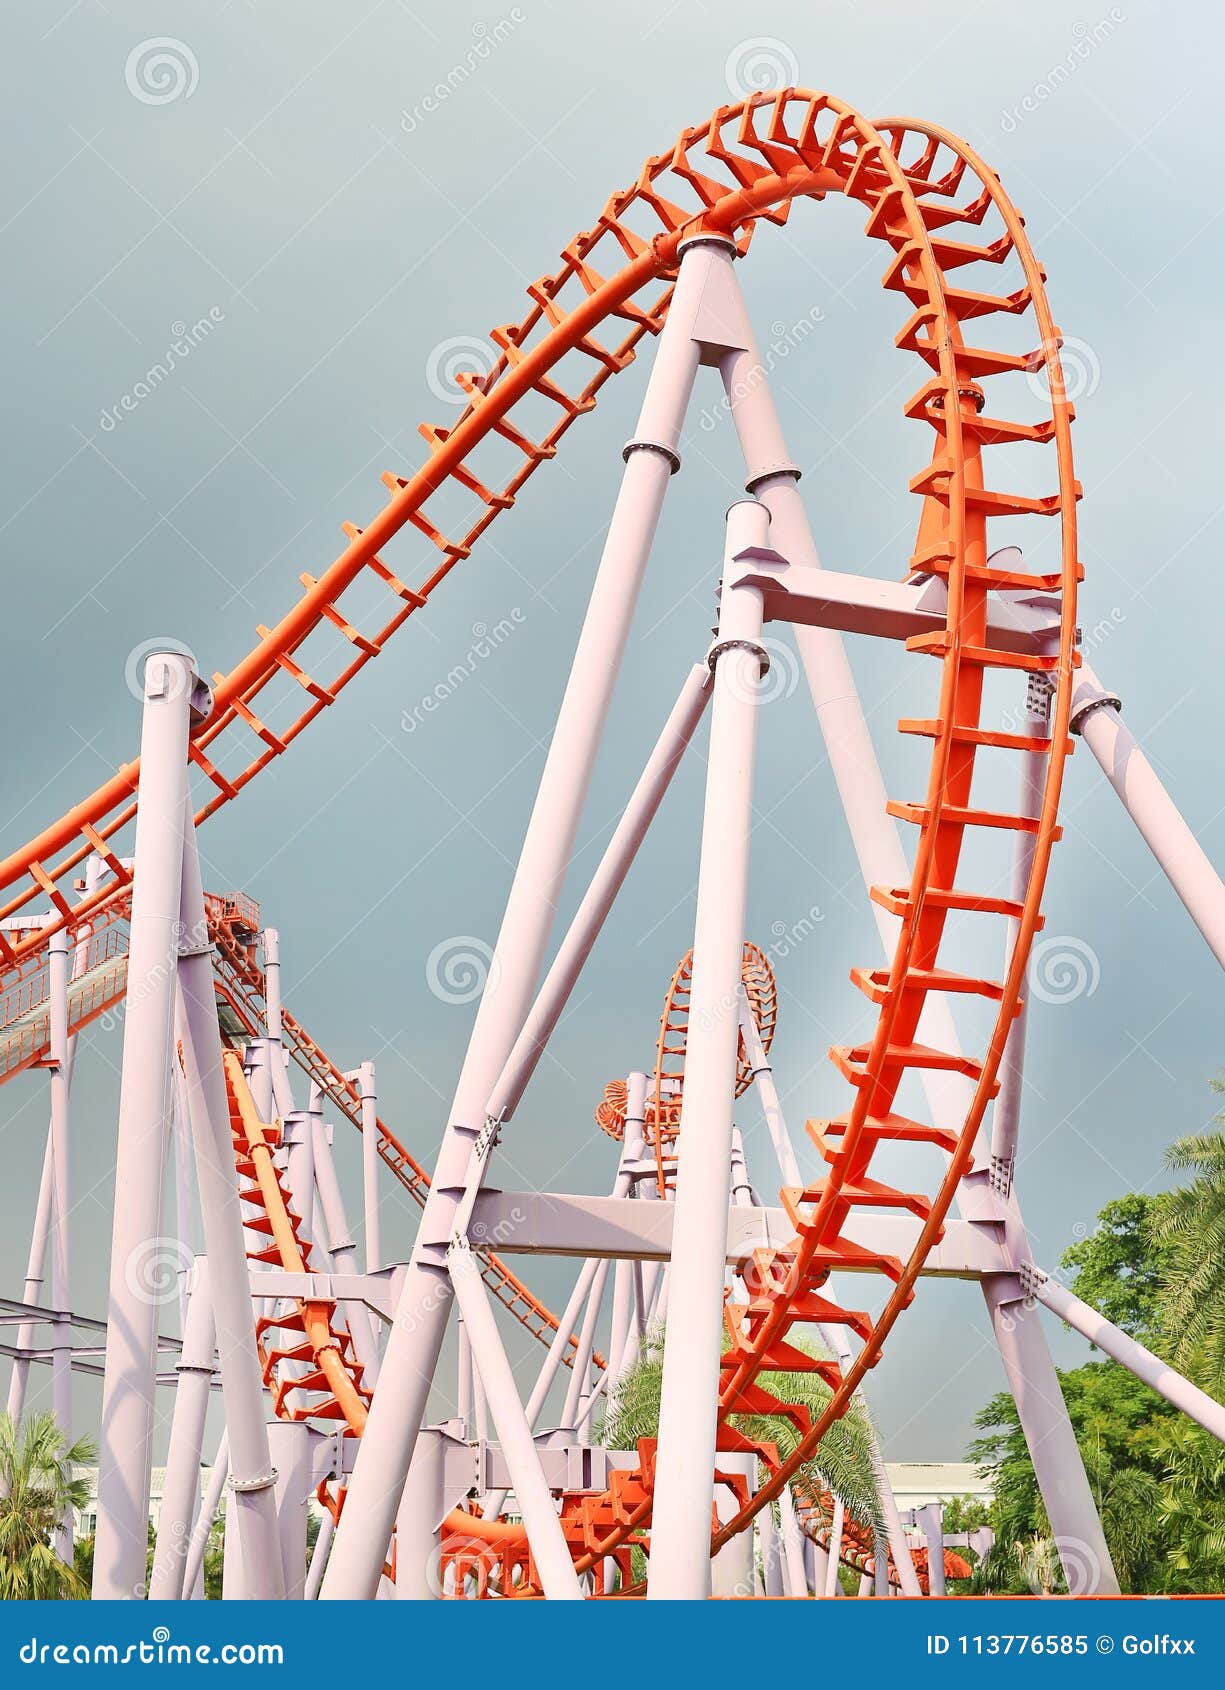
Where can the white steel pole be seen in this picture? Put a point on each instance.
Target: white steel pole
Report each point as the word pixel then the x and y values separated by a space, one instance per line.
pixel 181 1488
pixel 549 1551
pixel 61 1285
pixel 206 1518
pixel 1147 1367
pixel 39 1234
pixel 416 1339
pixel 1096 718
pixel 252 1511
pixel 684 1491
pixel 370 1165
pixel 125 1457
pixel 1006 1113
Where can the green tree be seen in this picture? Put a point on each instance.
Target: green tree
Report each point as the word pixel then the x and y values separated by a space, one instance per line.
pixel 1120 1267
pixel 37 1487
pixel 1189 1224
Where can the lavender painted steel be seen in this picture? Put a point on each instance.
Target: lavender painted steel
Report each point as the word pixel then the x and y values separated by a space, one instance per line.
pixel 418 1518
pixel 1051 1441
pixel 290 1446
pixel 252 1503
pixel 416 1339
pixel 60 1057
pixel 1154 1372
pixel 600 896
pixel 684 1491
pixel 930 1520
pixel 181 1489
pixel 126 1455
pixel 549 1552
pixel 319 1557
pixel 1006 1113
pixel 586 1343
pixel 207 1515
pixel 340 1244
pixel 20 1376
pixel 370 1165
pixel 1096 718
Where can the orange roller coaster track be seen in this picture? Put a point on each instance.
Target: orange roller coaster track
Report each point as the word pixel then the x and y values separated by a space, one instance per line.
pixel 925 194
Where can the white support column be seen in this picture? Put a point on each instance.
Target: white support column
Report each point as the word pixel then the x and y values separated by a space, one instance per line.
pixel 549 1552
pixel 1108 1338
pixel 370 1165
pixel 1006 1112
pixel 290 1446
pixel 181 1488
pixel 319 1557
pixel 207 1516
pixel 418 1545
pixel 1050 1440
pixel 1096 718
pixel 125 1457
pixel 251 1515
pixel 684 1490
pixel 60 1057
pixel 930 1520
pixel 31 1292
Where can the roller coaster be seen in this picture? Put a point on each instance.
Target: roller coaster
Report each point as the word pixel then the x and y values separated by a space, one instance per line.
pixel 331 1370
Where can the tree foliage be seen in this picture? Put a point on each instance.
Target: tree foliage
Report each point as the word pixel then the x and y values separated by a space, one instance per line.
pixel 38 1485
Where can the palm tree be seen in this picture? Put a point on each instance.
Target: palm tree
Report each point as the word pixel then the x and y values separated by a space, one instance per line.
pixel 37 1487
pixel 1192 1222
pixel 842 1462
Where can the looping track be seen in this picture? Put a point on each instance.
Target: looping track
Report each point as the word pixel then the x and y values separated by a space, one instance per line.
pixel 926 194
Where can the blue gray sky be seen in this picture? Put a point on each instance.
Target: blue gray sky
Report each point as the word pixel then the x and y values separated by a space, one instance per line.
pixel 288 174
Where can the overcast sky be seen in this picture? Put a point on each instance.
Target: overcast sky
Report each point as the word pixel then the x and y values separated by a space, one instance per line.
pixel 288 175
